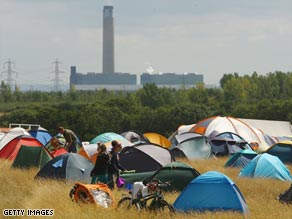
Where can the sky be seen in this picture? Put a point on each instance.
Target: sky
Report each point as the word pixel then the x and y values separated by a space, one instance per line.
pixel 209 37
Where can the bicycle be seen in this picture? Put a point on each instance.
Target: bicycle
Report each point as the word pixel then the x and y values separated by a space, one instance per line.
pixel 139 197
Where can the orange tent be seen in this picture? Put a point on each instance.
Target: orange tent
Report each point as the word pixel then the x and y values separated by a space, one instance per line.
pixel 215 125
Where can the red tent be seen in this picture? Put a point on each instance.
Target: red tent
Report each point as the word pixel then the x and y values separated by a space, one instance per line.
pixel 59 152
pixel 10 150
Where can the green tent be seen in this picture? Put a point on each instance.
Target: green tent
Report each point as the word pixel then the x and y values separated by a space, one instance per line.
pixel 31 156
pixel 136 177
pixel 178 174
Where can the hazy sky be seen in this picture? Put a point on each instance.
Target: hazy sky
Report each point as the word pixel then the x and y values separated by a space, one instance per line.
pixel 211 37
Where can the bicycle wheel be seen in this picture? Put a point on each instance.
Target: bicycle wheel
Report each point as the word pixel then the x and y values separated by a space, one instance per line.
pixel 166 207
pixel 126 202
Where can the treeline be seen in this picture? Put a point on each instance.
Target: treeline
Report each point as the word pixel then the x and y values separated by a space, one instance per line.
pixel 150 109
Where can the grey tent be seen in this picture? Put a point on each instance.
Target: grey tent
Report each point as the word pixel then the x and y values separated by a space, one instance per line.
pixel 241 158
pixel 192 146
pixel 223 145
pixel 70 166
pixel 134 137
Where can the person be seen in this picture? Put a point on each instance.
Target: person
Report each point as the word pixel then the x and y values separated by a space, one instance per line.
pixel 99 171
pixel 115 167
pixel 71 139
pixel 56 143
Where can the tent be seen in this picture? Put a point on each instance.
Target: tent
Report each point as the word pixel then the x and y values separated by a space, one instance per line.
pixel 132 177
pixel 283 150
pixel 271 127
pixel 211 191
pixel 181 129
pixel 215 125
pixel 191 145
pixel 227 146
pixel 58 152
pixel 40 134
pixel 266 166
pixel 2 134
pixel 134 137
pixel 10 150
pixel 89 151
pixel 178 174
pixel 31 156
pixel 177 153
pixel 233 136
pixel 241 158
pixel 178 138
pixel 13 133
pixel 70 166
pixel 108 137
pixel 184 128
pixel 144 158
pixel 156 138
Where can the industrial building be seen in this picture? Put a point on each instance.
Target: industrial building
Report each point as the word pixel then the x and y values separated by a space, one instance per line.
pixel 111 80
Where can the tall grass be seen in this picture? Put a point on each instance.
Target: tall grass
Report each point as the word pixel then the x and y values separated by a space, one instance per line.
pixel 19 189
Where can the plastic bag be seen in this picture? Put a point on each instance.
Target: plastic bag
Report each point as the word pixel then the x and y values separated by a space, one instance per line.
pixel 120 182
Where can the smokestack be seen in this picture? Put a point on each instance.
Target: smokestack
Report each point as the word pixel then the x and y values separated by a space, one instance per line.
pixel 108 40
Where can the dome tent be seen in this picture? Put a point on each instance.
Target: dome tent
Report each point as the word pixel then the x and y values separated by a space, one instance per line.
pixel 31 156
pixel 178 174
pixel 241 158
pixel 11 149
pixel 283 150
pixel 144 158
pixel 266 166
pixel 70 166
pixel 211 191
pixel 192 146
pixel 215 125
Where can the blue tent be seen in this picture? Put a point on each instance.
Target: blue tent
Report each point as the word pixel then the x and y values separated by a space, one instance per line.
pixel 241 158
pixel 266 166
pixel 211 191
pixel 41 134
pixel 108 137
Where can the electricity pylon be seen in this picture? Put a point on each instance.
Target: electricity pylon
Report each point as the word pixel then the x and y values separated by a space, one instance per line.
pixel 57 73
pixel 10 73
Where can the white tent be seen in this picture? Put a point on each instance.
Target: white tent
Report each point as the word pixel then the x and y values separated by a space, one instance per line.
pixel 13 133
pixel 271 127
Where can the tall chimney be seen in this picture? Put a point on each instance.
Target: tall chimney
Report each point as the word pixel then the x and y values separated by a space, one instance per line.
pixel 108 40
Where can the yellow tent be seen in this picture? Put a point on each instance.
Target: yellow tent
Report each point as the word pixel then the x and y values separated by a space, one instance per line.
pixel 156 138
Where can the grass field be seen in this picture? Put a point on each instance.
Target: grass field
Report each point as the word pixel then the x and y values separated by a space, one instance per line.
pixel 19 190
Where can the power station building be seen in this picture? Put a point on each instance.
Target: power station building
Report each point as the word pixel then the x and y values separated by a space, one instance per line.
pixel 111 80
pixel 108 59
